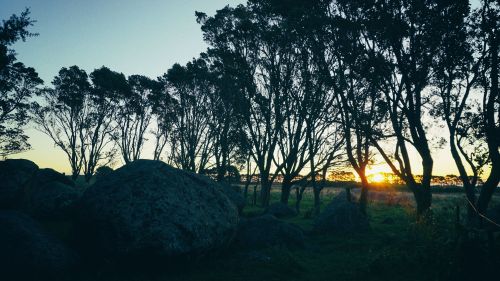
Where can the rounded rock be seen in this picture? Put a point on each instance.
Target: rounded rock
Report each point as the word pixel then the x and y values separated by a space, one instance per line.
pixel 149 211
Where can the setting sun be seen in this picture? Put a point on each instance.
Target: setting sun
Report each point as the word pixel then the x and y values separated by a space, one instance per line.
pixel 378 174
pixel 377 178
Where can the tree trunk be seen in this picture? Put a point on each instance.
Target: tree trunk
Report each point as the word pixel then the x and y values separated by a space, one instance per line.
pixel 317 201
pixel 286 187
pixel 245 192
pixel 363 197
pixel 248 179
pixel 254 199
pixel 299 193
pixel 88 176
pixel 265 191
pixel 423 198
pixel 469 188
pixel 491 129
pixel 74 176
pixel 488 188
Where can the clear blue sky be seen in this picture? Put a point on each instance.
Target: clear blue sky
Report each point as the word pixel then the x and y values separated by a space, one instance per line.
pixel 130 36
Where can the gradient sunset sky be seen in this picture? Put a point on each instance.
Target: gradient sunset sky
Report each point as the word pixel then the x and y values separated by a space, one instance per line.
pixel 129 36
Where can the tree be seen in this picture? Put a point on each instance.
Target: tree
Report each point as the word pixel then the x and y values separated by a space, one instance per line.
pixel 405 38
pixel 64 113
pixel 457 75
pixel 134 115
pixel 255 34
pixel 228 138
pixel 78 116
pixel 163 111
pixel 323 137
pixel 18 83
pixel 342 64
pixel 361 104
pixel 468 62
pixel 190 86
pixel 98 127
pixel 488 16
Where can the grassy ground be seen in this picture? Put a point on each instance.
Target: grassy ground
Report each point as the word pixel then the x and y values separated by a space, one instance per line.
pixel 402 250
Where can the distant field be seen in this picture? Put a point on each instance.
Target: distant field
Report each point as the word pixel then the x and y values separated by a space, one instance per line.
pixel 379 194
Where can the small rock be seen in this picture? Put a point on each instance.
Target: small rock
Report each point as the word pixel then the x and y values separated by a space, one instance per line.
pixel 341 216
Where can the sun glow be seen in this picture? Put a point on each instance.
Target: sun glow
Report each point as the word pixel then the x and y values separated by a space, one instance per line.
pixel 377 178
pixel 378 174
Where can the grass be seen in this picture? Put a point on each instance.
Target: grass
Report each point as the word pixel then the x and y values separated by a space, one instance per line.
pixel 402 250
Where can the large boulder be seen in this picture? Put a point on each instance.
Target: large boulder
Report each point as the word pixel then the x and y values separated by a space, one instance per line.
pixel 51 195
pixel 29 253
pixel 341 215
pixel 280 210
pixel 148 211
pixel 15 174
pixel 266 231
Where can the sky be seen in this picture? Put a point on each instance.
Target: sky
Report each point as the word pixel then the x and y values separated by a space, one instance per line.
pixel 134 37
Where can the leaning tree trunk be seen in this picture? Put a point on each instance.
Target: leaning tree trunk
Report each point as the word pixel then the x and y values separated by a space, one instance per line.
pixel 491 184
pixel 491 129
pixel 469 187
pixel 488 188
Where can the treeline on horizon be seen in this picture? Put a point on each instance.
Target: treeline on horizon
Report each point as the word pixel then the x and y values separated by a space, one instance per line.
pixel 286 87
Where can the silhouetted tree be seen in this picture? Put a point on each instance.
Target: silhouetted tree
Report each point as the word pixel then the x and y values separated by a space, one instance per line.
pixel 226 131
pixel 78 116
pixel 457 75
pixel 63 114
pixel 190 142
pixel 254 34
pixel 488 22
pixel 18 83
pixel 99 125
pixel 163 111
pixel 405 38
pixel 361 103
pixel 134 114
